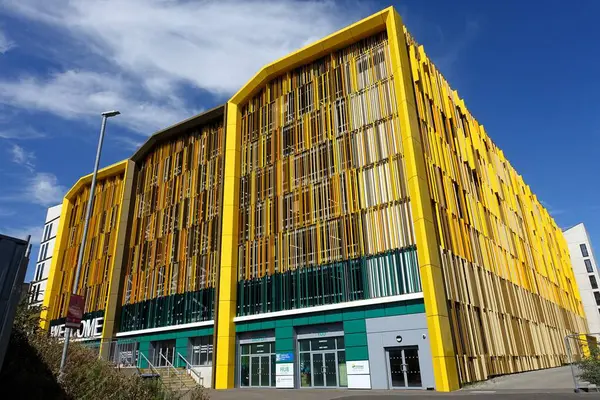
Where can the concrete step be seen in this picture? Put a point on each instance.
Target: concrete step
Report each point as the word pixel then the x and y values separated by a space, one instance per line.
pixel 174 381
pixel 181 380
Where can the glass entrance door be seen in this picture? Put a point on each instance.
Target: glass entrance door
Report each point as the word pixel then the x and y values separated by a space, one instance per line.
pixel 164 351
pixel 260 371
pixel 265 370
pixel 322 362
pixel 325 372
pixel 257 365
pixel 404 371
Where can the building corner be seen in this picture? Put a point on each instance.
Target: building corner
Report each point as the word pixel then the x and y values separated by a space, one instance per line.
pixel 432 279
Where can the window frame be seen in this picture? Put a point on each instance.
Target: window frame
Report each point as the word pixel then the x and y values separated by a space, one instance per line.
pixel 593 281
pixel 205 351
pixel 584 250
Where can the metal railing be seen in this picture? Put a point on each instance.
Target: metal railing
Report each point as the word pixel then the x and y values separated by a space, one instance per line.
pixel 124 354
pixel 580 346
pixel 152 367
pixel 190 369
pixel 171 369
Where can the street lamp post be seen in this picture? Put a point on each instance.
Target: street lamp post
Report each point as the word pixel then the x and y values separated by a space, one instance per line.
pixel 105 116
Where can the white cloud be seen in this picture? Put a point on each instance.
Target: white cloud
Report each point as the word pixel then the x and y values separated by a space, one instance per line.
pixel 43 189
pixel 21 232
pixel 129 143
pixel 5 43
pixel 21 133
pixel 22 157
pixel 155 48
pixel 82 94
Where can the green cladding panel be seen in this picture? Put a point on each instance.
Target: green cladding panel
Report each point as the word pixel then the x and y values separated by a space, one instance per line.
pixel 164 311
pixel 389 274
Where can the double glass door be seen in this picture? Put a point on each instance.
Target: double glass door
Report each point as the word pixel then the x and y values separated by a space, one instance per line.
pixel 324 367
pixel 163 351
pixel 322 363
pixel 260 370
pixel 404 371
pixel 257 365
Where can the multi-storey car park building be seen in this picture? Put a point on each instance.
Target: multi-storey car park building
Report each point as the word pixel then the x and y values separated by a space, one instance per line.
pixel 343 221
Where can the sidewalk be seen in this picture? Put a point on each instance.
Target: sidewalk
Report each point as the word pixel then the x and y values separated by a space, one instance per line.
pixel 548 384
pixel 559 378
pixel 333 394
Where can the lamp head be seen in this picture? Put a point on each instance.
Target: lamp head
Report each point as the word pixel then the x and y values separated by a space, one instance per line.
pixel 109 114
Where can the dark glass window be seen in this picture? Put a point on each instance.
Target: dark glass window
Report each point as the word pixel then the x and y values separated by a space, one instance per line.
pixel 588 265
pixel 304 345
pixel 43 252
pixel 597 296
pixel 322 344
pixel 39 271
pixel 202 350
pixel 593 282
pixel 584 250
pixel 47 231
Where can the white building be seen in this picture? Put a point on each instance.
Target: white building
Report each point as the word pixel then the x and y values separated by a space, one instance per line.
pixel 586 273
pixel 37 288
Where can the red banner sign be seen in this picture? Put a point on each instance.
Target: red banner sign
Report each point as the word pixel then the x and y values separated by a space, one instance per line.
pixel 75 311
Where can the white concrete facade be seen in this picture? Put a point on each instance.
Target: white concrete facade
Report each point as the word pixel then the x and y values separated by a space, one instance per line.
pixel 37 288
pixel 586 273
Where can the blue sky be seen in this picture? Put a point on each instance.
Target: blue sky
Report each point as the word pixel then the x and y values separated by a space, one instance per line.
pixel 527 72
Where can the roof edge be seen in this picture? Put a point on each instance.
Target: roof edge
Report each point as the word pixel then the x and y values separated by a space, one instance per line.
pixel 103 173
pixel 349 34
pixel 173 130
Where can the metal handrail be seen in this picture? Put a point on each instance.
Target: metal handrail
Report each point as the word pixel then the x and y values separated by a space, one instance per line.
pixel 572 363
pixel 152 367
pixel 189 367
pixel 170 366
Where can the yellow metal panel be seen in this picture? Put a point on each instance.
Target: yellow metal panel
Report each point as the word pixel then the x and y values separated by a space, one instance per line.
pixel 494 238
pixel 96 255
pixel 445 372
pixel 226 306
pixel 225 360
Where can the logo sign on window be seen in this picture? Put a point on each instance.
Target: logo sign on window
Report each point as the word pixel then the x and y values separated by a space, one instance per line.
pixel 75 311
pixel 285 369
pixel 284 357
pixel 285 382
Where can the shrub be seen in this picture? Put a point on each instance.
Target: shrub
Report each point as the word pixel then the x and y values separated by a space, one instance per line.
pixel 590 366
pixel 32 364
pixel 198 393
